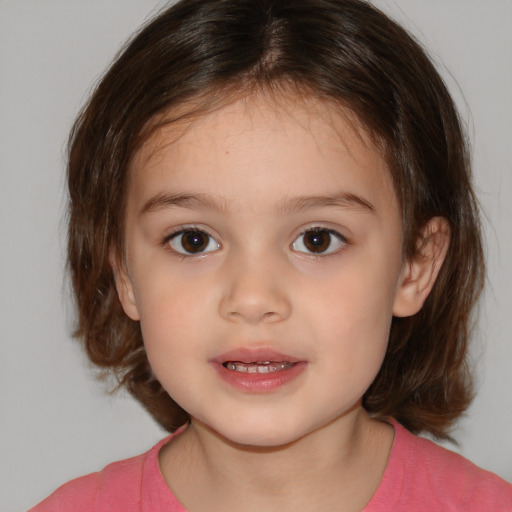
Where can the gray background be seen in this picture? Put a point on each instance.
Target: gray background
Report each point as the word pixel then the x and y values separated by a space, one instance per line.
pixel 56 423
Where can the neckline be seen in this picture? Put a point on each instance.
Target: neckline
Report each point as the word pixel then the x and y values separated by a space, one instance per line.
pixel 391 485
pixel 157 492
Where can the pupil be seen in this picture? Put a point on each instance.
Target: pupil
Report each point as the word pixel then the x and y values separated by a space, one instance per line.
pixel 194 241
pixel 317 241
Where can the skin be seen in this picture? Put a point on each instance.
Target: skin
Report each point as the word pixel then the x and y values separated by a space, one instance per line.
pixel 307 445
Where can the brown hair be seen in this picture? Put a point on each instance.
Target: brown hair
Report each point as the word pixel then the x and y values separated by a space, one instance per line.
pixel 342 51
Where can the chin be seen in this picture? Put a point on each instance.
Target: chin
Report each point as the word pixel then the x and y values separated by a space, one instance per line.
pixel 260 439
pixel 258 434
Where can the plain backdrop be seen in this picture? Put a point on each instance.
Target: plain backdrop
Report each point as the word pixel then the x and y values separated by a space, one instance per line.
pixel 56 422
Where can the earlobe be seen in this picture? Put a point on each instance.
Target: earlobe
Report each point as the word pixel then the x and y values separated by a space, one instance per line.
pixel 124 287
pixel 420 273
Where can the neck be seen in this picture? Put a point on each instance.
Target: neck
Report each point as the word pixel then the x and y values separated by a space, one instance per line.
pixel 337 467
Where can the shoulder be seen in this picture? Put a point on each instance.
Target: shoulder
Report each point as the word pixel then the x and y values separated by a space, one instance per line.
pixel 448 480
pixel 116 488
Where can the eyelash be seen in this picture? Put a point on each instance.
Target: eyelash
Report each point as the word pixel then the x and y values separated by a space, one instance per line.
pixel 191 230
pixel 206 247
pixel 339 239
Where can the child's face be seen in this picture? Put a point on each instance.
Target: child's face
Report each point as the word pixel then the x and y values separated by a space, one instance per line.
pixel 263 234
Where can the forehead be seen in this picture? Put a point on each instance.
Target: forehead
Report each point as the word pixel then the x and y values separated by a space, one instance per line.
pixel 278 145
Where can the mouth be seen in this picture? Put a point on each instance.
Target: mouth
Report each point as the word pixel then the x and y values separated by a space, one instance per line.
pixel 258 366
pixel 258 370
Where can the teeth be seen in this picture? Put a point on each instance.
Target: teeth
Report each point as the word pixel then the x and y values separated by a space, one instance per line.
pixel 258 367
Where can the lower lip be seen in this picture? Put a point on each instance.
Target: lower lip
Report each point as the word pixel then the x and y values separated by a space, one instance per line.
pixel 260 382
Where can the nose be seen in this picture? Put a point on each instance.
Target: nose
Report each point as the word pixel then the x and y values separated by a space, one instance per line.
pixel 254 292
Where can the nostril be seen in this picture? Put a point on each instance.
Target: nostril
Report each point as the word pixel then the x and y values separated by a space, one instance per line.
pixel 253 297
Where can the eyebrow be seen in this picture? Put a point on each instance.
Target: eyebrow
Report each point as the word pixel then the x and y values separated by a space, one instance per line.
pixel 190 201
pixel 341 200
pixel 285 206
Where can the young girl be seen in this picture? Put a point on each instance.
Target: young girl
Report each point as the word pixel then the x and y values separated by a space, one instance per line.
pixel 275 246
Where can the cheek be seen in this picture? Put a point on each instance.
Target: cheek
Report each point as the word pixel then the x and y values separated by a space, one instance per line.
pixel 354 314
pixel 359 298
pixel 174 330
pixel 165 289
pixel 170 314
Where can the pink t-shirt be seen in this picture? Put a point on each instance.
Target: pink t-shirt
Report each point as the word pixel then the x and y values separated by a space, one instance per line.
pixel 420 476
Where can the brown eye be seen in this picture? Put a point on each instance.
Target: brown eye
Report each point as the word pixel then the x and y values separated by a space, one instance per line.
pixel 319 241
pixel 193 241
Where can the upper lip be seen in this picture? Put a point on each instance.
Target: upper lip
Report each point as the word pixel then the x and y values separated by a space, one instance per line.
pixel 254 355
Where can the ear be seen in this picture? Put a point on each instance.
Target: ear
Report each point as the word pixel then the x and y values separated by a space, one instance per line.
pixel 124 286
pixel 419 274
